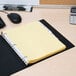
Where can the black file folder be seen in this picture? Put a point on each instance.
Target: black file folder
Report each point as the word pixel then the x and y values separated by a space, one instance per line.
pixel 10 61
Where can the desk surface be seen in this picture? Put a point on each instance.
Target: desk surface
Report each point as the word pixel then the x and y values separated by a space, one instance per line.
pixel 63 64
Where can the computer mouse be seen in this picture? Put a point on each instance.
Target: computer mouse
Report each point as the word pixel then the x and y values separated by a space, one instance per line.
pixel 14 17
pixel 2 24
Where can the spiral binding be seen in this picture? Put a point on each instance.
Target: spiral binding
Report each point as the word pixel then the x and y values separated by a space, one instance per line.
pixel 13 46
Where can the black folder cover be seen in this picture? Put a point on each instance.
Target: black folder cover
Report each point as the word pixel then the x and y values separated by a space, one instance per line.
pixel 9 60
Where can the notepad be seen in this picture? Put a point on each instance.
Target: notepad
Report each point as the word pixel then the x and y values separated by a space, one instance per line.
pixel 34 41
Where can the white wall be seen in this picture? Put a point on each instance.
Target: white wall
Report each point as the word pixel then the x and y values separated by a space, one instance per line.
pixel 32 2
pixel 25 2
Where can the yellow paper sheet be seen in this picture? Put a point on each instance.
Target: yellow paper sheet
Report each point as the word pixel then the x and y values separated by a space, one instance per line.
pixel 35 41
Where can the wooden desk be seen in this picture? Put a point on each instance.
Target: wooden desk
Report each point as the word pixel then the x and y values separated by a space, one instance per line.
pixel 63 64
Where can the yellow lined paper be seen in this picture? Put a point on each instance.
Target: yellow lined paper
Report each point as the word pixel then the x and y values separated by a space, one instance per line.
pixel 35 41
